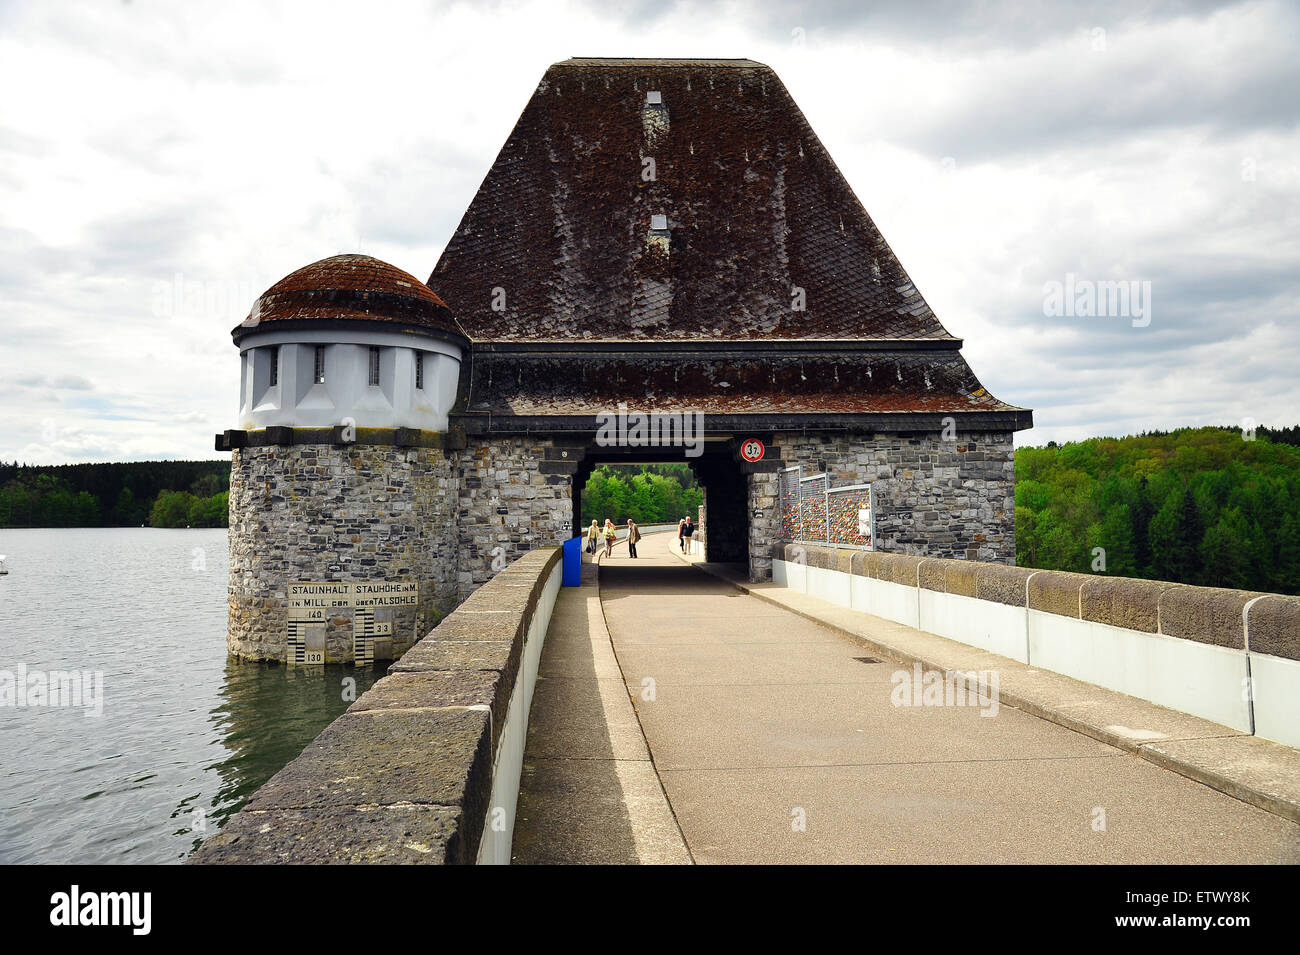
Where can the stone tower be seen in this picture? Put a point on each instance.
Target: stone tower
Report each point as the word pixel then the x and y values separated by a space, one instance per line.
pixel 342 542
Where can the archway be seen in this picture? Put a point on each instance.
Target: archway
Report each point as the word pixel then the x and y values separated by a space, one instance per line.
pixel 726 526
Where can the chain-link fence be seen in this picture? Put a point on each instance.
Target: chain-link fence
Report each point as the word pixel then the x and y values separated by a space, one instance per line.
pixel 814 512
pixel 812 508
pixel 790 504
pixel 850 515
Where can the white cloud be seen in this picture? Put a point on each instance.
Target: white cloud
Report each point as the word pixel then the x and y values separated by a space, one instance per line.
pixel 165 163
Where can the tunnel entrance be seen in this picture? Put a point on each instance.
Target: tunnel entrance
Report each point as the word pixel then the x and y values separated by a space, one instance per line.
pixel 725 527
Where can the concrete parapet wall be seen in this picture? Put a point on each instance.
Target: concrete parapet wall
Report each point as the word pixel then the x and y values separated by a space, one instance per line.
pixel 1229 656
pixel 424 767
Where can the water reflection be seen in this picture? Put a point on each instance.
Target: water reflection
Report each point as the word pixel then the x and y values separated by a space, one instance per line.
pixel 266 715
pixel 186 733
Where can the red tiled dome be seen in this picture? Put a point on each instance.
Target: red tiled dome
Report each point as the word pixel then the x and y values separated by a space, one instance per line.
pixel 350 288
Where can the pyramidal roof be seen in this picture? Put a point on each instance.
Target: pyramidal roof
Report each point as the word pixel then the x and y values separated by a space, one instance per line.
pixel 672 200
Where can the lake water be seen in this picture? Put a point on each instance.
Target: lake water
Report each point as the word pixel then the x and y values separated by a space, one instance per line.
pixel 185 734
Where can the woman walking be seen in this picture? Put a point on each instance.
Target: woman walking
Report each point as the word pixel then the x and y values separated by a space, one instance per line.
pixel 633 535
pixel 593 536
pixel 610 536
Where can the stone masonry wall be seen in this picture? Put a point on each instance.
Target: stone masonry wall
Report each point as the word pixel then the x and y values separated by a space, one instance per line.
pixel 315 513
pixel 934 498
pixel 764 523
pixel 507 506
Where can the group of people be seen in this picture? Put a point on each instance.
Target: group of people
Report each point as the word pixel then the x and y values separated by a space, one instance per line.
pixel 610 532
pixel 685 528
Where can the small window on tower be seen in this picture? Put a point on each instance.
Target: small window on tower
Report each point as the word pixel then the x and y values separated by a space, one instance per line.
pixel 320 364
pixel 419 370
pixel 374 366
pixel 275 365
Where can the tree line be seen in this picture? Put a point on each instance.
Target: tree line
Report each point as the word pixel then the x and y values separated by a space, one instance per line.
pixel 1211 506
pixel 649 494
pixel 129 494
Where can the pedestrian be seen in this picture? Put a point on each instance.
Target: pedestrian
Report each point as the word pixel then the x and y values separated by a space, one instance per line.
pixel 681 541
pixel 687 530
pixel 633 535
pixel 593 536
pixel 610 536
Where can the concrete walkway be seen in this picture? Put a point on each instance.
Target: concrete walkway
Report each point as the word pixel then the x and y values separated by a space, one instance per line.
pixel 588 792
pixel 775 740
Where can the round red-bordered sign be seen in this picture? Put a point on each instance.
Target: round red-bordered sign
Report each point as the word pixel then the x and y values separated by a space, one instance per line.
pixel 751 449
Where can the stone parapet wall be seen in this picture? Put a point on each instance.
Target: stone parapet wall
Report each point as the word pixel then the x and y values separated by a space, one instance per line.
pixel 1228 656
pixel 1237 619
pixel 410 772
pixel 337 513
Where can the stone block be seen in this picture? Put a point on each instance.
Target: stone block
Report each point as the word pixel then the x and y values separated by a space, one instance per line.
pixel 345 835
pixel 443 654
pixel 949 576
pixel 433 689
pixel 1055 591
pixel 898 568
pixel 868 565
pixel 1124 602
pixel 1205 614
pixel 1274 627
pixel 437 757
pixel 1002 584
pixel 820 557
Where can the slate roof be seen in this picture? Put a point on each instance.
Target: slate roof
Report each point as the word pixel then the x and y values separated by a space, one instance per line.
pixel 755 207
pixel 350 288
pixel 736 383
pixel 575 298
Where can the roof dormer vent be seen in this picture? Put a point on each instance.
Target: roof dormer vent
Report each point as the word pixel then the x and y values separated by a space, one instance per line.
pixel 658 239
pixel 654 116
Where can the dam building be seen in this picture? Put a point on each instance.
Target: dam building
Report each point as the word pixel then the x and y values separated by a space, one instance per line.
pixel 661 242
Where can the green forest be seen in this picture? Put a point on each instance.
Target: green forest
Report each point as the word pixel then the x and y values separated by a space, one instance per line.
pixel 156 493
pixel 649 494
pixel 1197 506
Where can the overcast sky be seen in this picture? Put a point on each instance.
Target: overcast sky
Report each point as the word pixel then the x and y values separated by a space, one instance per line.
pixel 161 164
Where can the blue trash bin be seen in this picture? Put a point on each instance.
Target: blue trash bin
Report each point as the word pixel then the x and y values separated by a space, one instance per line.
pixel 572 572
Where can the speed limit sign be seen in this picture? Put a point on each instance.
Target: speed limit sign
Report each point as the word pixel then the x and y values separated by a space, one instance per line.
pixel 752 449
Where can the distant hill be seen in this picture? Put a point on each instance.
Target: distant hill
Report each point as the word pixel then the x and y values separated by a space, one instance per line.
pixel 1197 506
pixel 158 493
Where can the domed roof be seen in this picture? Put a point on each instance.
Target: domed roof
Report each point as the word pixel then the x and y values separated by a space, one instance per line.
pixel 350 288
